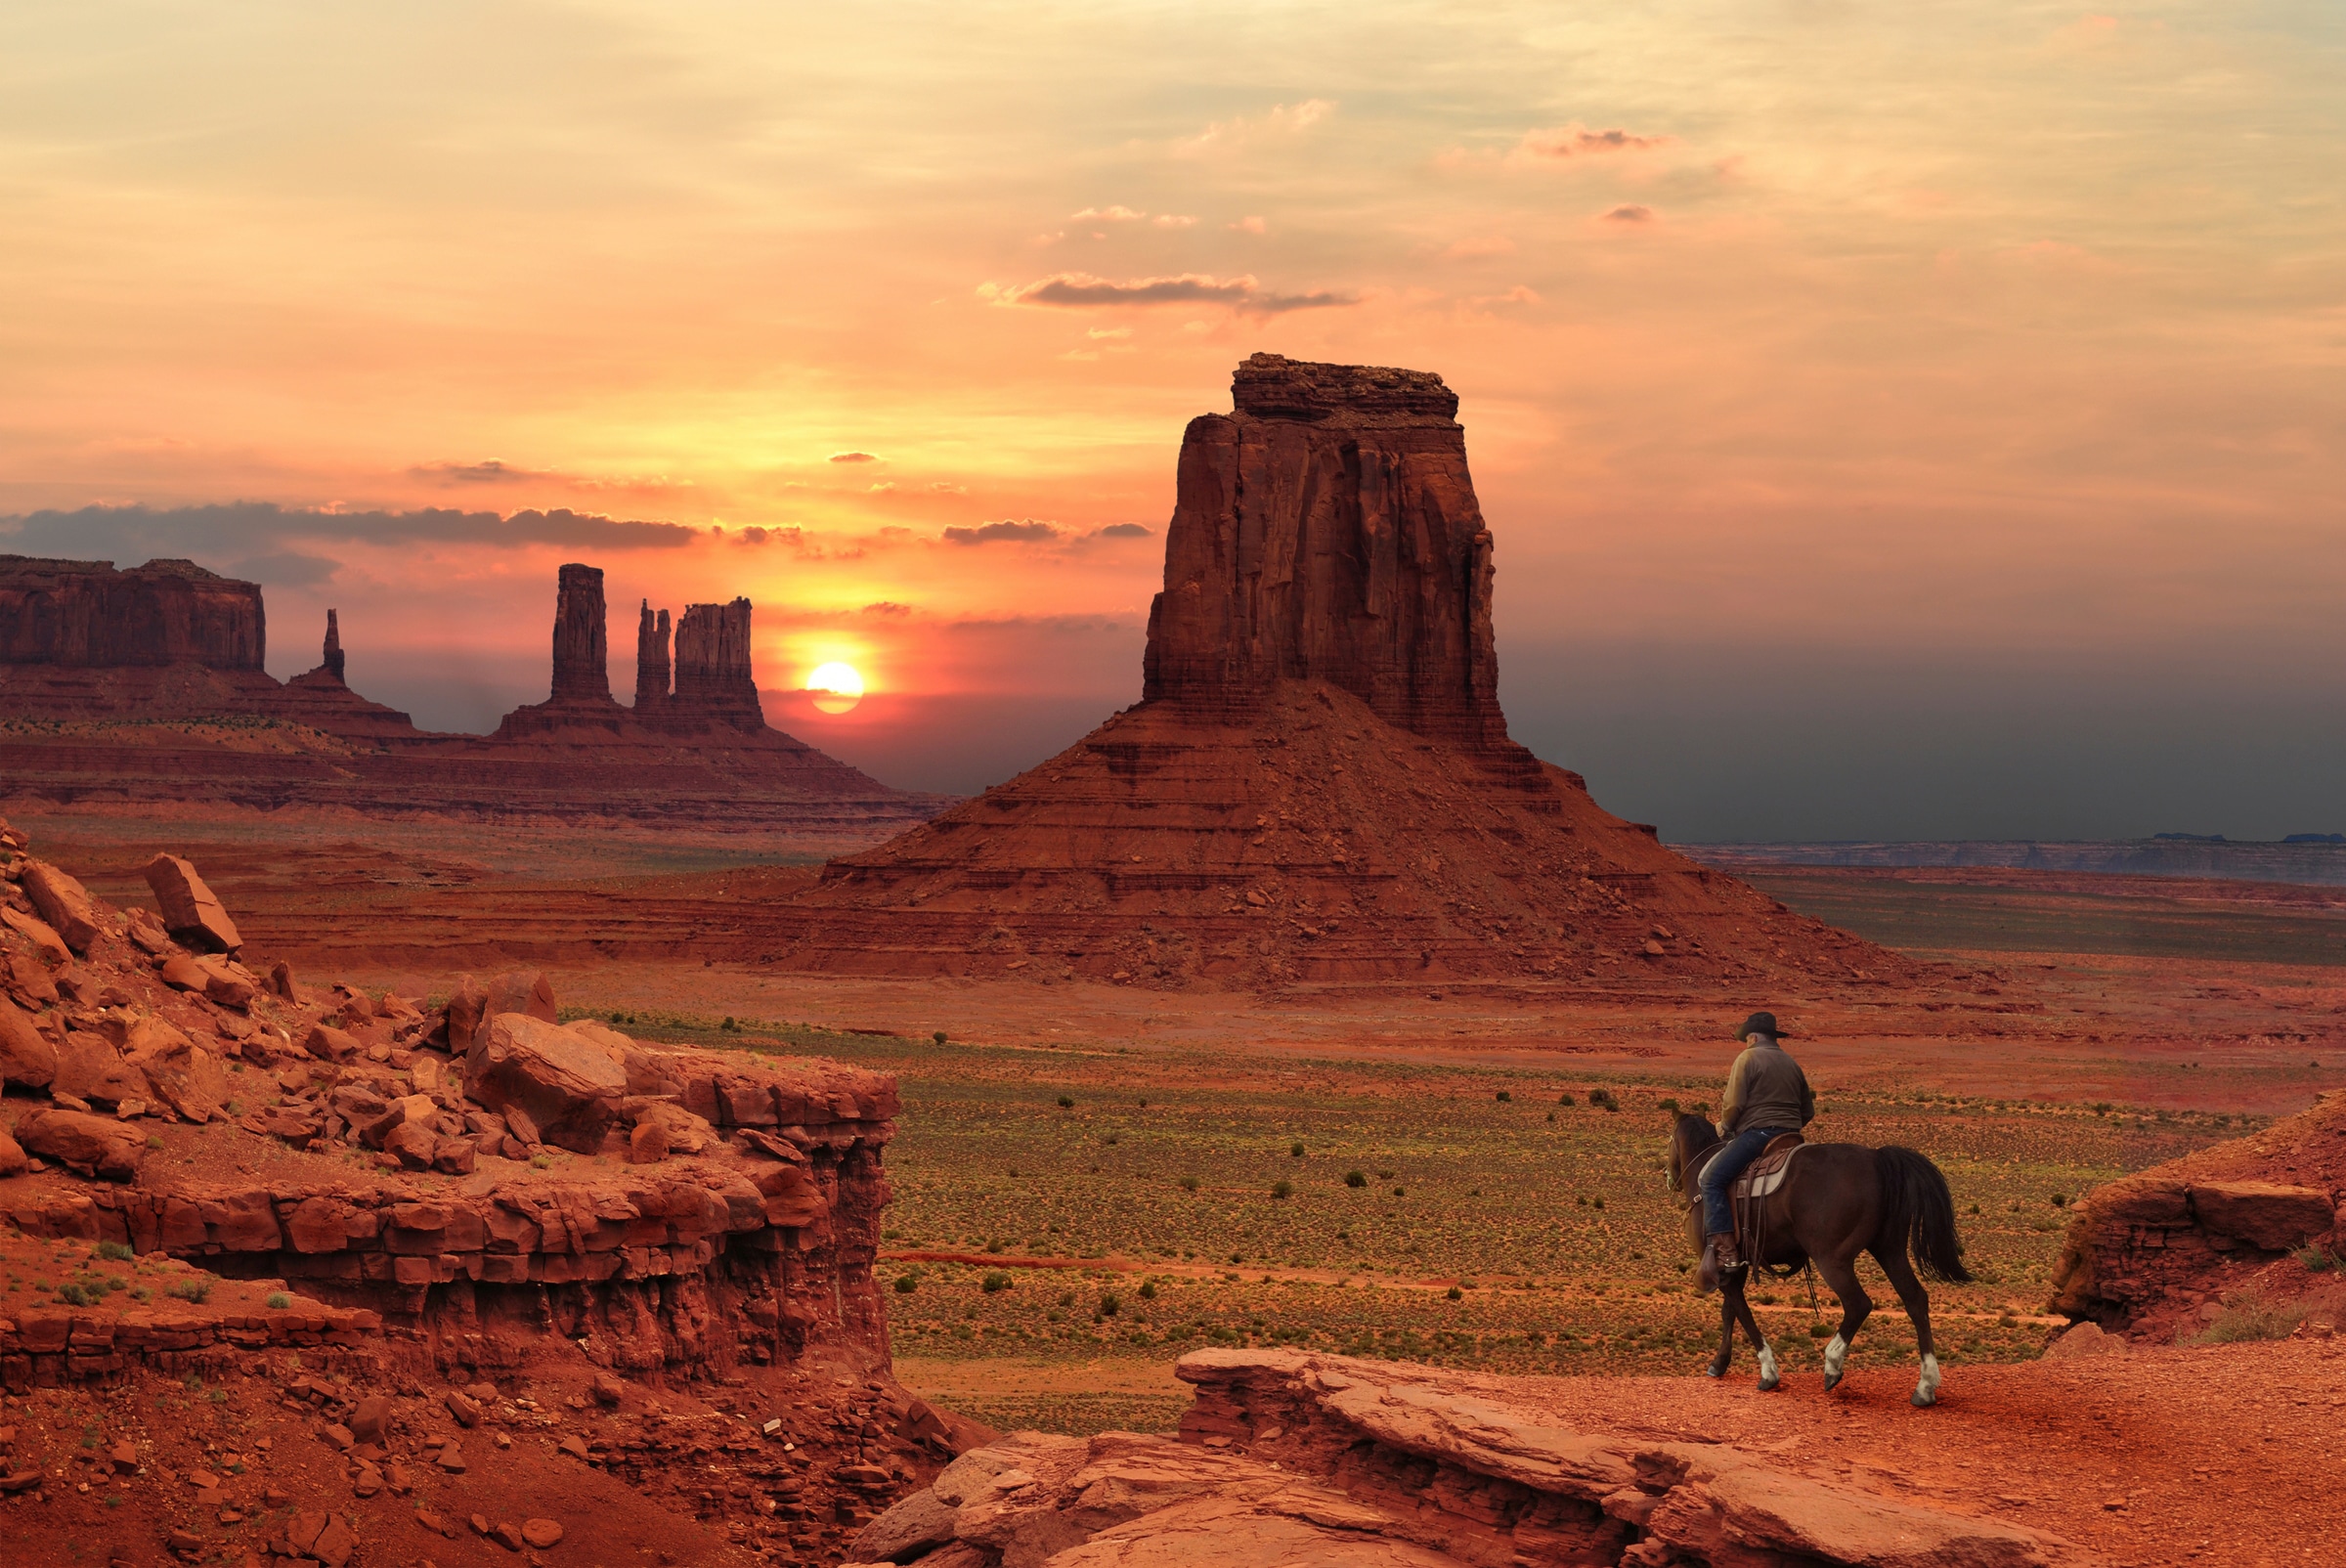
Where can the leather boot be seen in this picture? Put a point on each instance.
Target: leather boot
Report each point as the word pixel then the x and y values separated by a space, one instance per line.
pixel 1717 1248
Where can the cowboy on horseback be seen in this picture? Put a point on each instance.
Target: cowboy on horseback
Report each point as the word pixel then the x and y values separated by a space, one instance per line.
pixel 1767 1096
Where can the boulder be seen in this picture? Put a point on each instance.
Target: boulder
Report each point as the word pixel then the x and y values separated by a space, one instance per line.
pixel 64 904
pixel 93 1146
pixel 183 1074
pixel 2265 1215
pixel 414 1145
pixel 26 1057
pixel 90 1070
pixel 182 973
pixel 370 1423
pixel 39 933
pixel 280 983
pixel 541 1533
pixel 647 1145
pixel 191 912
pixel 228 983
pixel 27 978
pixel 680 1131
pixel 456 1157
pixel 467 1006
pixel 329 1044
pixel 916 1526
pixel 522 991
pixel 2083 1341
pixel 12 1158
pixel 148 933
pixel 376 1130
pixel 565 1087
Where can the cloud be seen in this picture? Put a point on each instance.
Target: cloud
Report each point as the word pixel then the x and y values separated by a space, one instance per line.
pixel 945 487
pixel 491 472
pixel 1106 215
pixel 1122 531
pixel 889 608
pixel 1080 289
pixel 853 457
pixel 1018 531
pixel 248 530
pixel 1284 120
pixel 1626 212
pixel 1250 225
pixel 1108 332
pixel 1173 220
pixel 786 534
pixel 1579 141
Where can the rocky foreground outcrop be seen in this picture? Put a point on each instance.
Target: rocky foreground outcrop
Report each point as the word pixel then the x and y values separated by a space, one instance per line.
pixel 474 1171
pixel 1290 1458
pixel 2160 1252
pixel 1319 784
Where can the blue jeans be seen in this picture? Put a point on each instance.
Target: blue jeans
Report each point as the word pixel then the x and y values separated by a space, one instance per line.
pixel 1718 1213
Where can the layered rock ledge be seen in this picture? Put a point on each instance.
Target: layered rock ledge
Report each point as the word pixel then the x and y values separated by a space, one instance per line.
pixel 1291 1457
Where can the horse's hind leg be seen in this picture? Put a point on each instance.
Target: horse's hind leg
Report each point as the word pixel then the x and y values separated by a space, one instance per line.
pixel 1770 1374
pixel 1917 1301
pixel 1855 1307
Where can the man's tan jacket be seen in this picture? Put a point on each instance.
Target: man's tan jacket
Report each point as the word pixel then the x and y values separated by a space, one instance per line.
pixel 1766 1088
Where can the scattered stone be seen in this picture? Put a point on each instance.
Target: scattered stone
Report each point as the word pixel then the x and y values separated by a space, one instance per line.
pixel 329 1044
pixel 335 1544
pixel 26 1057
pixel 563 1085
pixel 433 1521
pixel 522 991
pixel 339 1435
pixel 370 1421
pixel 541 1533
pixel 505 1536
pixel 451 1459
pixel 466 1409
pixel 607 1389
pixel 647 1145
pixel 182 973
pixel 186 1542
pixel 572 1445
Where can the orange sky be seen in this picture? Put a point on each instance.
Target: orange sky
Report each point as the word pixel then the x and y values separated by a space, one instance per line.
pixel 1976 343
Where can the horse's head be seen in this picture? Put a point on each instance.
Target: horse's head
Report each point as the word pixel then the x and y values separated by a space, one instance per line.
pixel 1690 1136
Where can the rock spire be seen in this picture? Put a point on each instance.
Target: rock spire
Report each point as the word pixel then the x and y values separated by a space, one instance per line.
pixel 582 650
pixel 1327 529
pixel 332 663
pixel 651 660
pixel 86 615
pixel 713 661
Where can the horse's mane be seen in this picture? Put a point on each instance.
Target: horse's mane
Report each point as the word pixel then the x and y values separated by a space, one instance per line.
pixel 1698 1132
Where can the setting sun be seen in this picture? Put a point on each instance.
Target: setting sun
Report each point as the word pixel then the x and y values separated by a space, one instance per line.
pixel 837 687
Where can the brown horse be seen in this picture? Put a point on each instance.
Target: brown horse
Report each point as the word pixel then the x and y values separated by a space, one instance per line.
pixel 1836 1202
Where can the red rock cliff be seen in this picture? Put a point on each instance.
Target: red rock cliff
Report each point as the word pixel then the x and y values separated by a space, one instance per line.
pixel 87 615
pixel 582 646
pixel 713 662
pixel 1327 529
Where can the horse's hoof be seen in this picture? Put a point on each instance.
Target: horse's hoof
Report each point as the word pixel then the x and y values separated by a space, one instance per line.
pixel 1768 1385
pixel 1924 1400
pixel 1832 1381
pixel 1715 1372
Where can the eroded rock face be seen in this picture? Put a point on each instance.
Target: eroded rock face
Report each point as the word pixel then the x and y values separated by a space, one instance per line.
pixel 88 615
pixel 1327 529
pixel 581 640
pixel 651 658
pixel 2146 1252
pixel 1292 1459
pixel 714 679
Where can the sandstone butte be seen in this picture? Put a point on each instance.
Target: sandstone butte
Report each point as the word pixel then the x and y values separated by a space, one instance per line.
pixel 84 647
pixel 1318 783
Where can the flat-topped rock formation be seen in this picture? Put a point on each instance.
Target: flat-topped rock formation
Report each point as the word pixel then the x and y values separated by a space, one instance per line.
pixel 94 658
pixel 1319 783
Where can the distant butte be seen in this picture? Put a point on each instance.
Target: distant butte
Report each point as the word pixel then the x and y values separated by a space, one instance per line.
pixel 1318 784
pixel 123 681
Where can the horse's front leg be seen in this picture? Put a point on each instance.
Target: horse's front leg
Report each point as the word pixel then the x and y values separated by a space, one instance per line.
pixel 1726 1334
pixel 1740 1305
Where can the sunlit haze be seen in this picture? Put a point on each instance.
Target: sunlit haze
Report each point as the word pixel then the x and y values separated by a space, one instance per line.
pixel 1919 421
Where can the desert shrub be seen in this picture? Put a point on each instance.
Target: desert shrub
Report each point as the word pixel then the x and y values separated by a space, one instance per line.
pixel 154 1142
pixel 72 1295
pixel 1820 1331
pixel 2316 1261
pixel 2250 1314
pixel 1604 1098
pixel 907 1283
pixel 1356 1178
pixel 114 1253
pixel 1401 1192
pixel 2060 1200
pixel 198 1289
pixel 940 1036
pixel 1455 1293
pixel 1148 1292
pixel 1114 1138
pixel 1566 1099
pixel 1283 1189
pixel 1066 1101
pixel 1504 1097
pixel 278 1301
pixel 1189 1184
pixel 994 1281
pixel 1295 1150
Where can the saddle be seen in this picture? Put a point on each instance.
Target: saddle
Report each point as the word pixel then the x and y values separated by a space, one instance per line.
pixel 1760 1178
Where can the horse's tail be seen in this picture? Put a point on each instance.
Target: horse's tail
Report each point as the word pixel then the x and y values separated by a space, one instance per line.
pixel 1918 1211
